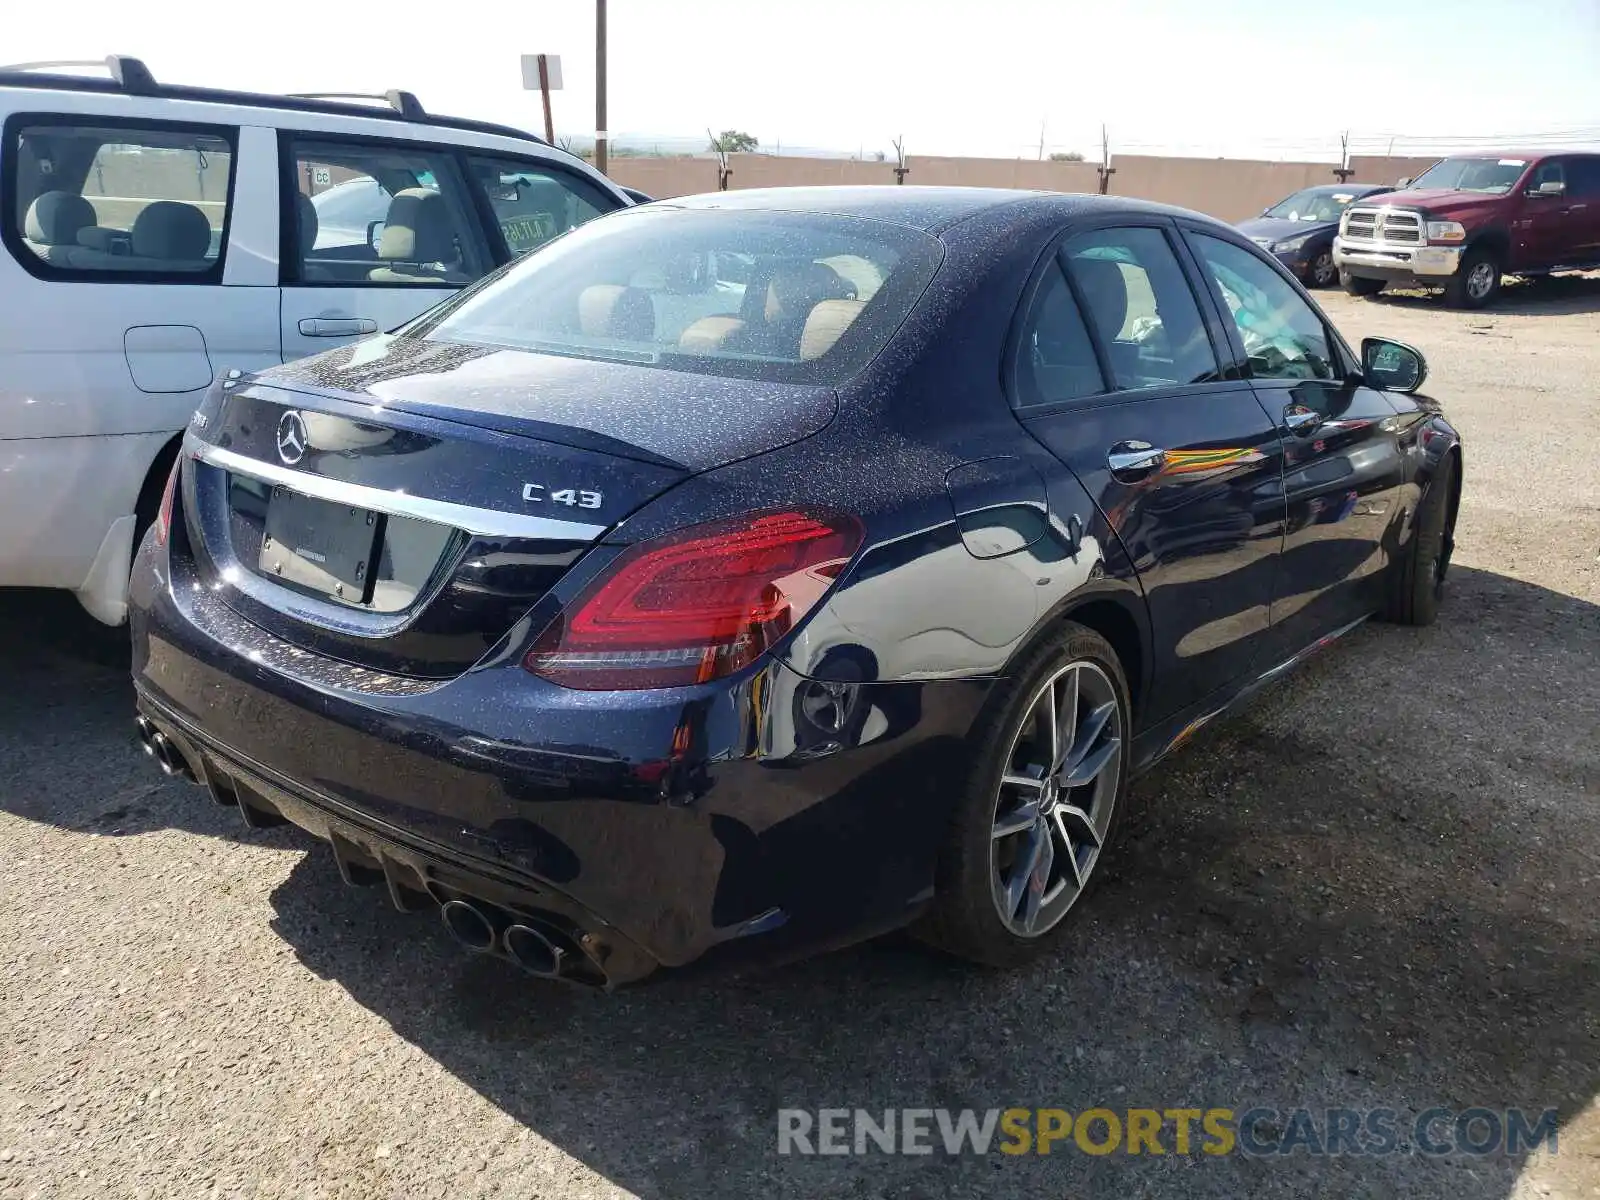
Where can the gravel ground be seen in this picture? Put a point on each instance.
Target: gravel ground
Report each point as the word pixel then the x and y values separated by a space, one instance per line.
pixel 1366 890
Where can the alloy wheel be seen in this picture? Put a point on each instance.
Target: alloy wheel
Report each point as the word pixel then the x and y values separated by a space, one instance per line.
pixel 1323 272
pixel 1054 805
pixel 1480 281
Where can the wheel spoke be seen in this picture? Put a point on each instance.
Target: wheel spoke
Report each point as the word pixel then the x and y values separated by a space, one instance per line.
pixel 1038 879
pixel 1093 727
pixel 1087 769
pixel 1045 715
pixel 1066 720
pixel 1017 885
pixel 1031 782
pixel 1071 812
pixel 1016 821
pixel 1068 847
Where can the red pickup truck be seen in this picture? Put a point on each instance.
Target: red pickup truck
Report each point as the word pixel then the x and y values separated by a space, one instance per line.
pixel 1465 222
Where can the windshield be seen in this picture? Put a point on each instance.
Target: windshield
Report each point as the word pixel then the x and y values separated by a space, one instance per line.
pixel 1495 176
pixel 799 297
pixel 1313 204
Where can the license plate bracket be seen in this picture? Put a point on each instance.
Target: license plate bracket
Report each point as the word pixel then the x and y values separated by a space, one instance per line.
pixel 321 546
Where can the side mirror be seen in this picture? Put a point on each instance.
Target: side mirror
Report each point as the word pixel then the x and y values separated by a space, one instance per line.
pixel 1392 366
pixel 1550 187
pixel 374 232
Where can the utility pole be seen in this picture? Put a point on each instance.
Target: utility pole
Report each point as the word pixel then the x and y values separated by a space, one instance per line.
pixel 1106 169
pixel 1042 122
pixel 600 86
pixel 900 168
pixel 1343 170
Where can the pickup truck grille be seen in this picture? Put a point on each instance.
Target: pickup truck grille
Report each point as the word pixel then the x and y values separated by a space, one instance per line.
pixel 1383 225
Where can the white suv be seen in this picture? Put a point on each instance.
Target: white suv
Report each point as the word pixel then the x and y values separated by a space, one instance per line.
pixel 156 236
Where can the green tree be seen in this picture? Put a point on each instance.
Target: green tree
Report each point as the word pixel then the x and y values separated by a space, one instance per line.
pixel 733 141
pixel 1066 156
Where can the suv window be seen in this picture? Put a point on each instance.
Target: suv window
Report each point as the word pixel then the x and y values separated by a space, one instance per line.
pixel 1055 357
pixel 379 214
pixel 1139 304
pixel 1584 183
pixel 1283 336
pixel 123 201
pixel 535 202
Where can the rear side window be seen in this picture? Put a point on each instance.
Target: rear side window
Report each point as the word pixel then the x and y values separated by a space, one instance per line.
pixel 1583 178
pixel 113 201
pixel 768 295
pixel 1283 336
pixel 379 214
pixel 1139 304
pixel 533 203
pixel 1056 360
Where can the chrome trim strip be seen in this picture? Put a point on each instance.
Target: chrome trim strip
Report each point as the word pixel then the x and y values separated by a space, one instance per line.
pixel 484 522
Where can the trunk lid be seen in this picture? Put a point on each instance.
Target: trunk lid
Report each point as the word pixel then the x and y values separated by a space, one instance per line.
pixel 401 507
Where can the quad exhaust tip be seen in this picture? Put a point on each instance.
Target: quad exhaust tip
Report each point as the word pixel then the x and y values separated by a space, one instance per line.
pixel 160 747
pixel 482 930
pixel 534 952
pixel 469 925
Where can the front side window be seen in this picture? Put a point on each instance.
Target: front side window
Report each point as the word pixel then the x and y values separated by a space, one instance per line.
pixel 1495 176
pixel 767 295
pixel 379 214
pixel 533 202
pixel 121 201
pixel 1547 172
pixel 1282 334
pixel 1139 303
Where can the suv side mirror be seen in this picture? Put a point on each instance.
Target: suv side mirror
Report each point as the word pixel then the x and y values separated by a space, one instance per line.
pixel 1392 366
pixel 1550 187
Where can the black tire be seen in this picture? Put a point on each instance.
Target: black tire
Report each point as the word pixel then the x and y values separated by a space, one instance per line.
pixel 965 920
pixel 1360 285
pixel 1416 580
pixel 1321 272
pixel 1476 282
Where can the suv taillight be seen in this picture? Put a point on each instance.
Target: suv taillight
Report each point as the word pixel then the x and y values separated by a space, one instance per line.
pixel 696 604
pixel 164 513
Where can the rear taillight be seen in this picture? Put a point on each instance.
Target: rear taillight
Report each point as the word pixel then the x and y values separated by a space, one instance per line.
pixel 696 604
pixel 164 513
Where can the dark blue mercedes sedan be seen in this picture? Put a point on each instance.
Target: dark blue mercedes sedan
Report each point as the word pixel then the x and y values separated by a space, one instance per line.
pixel 747 574
pixel 1299 230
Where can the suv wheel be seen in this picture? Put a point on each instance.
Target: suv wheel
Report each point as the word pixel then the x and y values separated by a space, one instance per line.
pixel 1050 768
pixel 1358 285
pixel 1476 283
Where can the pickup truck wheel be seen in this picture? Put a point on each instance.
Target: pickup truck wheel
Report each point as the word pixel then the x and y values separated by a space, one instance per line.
pixel 1476 283
pixel 1358 285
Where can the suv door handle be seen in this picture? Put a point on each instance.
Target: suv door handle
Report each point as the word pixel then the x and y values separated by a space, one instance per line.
pixel 1132 461
pixel 336 326
pixel 1300 420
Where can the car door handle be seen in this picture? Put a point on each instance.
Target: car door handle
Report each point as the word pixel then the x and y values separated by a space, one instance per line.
pixel 1300 420
pixel 336 326
pixel 1133 460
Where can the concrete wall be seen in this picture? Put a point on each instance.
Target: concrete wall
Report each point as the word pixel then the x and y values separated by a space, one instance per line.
pixel 1231 189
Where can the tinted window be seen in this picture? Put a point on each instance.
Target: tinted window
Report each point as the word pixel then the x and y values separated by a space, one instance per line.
pixel 121 200
pixel 378 214
pixel 1055 358
pixel 534 203
pixel 1282 334
pixel 1583 178
pixel 1547 172
pixel 1139 304
pixel 773 295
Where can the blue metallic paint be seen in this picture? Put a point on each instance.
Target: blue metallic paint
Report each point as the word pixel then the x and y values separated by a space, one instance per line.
pixel 802 801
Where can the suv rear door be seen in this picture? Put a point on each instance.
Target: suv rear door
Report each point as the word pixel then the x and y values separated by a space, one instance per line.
pixel 377 231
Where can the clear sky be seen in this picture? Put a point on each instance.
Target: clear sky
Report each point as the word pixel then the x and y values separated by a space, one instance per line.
pixel 1258 78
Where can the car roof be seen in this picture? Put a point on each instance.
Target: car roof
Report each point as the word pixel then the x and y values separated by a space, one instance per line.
pixel 931 209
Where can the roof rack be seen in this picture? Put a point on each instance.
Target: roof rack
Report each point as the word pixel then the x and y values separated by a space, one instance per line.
pixel 404 103
pixel 129 75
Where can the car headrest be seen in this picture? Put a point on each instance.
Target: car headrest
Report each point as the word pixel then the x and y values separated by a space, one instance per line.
pixel 418 229
pixel 1105 292
pixel 169 229
pixel 709 334
pixel 795 291
pixel 305 214
pixel 826 325
pixel 609 310
pixel 55 218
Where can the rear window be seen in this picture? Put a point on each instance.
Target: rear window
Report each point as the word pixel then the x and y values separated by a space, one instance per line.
pixel 799 297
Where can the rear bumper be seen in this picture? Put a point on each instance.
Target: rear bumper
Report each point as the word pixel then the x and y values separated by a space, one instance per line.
pixel 709 823
pixel 1425 266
